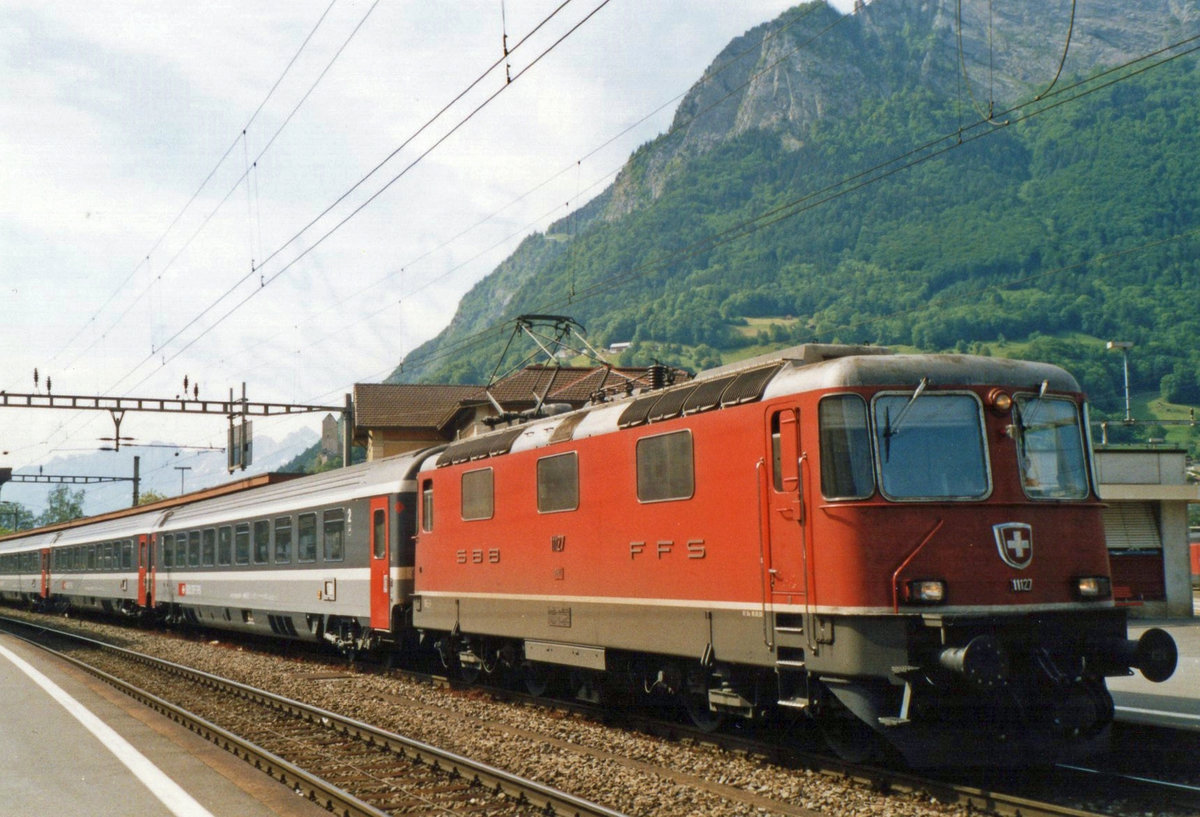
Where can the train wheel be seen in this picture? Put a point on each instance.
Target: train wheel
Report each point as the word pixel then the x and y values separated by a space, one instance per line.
pixel 535 677
pixel 695 701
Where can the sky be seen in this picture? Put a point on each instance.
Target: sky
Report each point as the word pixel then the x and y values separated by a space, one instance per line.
pixel 245 193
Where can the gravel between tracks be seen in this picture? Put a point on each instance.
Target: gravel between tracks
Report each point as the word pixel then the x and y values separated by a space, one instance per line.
pixel 637 774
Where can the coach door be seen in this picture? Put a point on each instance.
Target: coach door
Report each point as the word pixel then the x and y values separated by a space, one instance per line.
pixel 144 552
pixel 381 574
pixel 785 562
pixel 45 584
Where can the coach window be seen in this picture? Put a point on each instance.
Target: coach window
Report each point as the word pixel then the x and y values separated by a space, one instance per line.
pixel 224 545
pixel 106 556
pixel 194 548
pixel 241 543
pixel 427 505
pixel 91 557
pixel 167 556
pixel 846 467
pixel 283 540
pixel 306 537
pixel 335 530
pixel 127 554
pixel 262 541
pixel 181 550
pixel 208 547
pixel 558 483
pixel 664 467
pixel 477 497
pixel 379 533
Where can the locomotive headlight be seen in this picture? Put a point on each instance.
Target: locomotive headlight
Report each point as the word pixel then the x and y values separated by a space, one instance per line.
pixel 925 591
pixel 999 400
pixel 1093 587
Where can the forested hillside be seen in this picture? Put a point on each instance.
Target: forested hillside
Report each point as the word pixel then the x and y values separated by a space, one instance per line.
pixel 832 179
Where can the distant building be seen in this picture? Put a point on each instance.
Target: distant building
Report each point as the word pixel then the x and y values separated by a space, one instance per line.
pixel 394 418
pixel 331 442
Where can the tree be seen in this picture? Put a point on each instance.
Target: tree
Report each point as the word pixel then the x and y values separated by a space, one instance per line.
pixel 149 497
pixel 14 517
pixel 62 505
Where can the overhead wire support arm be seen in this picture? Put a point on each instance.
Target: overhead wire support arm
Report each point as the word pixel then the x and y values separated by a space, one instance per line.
pixel 159 405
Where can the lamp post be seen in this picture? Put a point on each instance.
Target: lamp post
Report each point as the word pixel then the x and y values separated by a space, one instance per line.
pixel 1124 346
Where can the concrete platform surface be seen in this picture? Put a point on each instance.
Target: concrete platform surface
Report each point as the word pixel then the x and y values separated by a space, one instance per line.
pixel 73 745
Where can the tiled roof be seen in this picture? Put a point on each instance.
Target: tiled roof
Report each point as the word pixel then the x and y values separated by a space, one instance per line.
pixel 410 405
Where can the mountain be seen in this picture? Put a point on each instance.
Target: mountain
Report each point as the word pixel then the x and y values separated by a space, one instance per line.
pixel 1007 179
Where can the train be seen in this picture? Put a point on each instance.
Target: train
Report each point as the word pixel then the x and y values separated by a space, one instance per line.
pixel 904 550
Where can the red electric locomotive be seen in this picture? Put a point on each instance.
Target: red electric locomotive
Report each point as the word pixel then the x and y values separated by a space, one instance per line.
pixel 906 547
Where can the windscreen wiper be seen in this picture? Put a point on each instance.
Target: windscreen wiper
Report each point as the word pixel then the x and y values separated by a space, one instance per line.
pixel 891 429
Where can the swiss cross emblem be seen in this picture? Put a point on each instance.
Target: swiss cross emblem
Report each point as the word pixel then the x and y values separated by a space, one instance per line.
pixel 1014 540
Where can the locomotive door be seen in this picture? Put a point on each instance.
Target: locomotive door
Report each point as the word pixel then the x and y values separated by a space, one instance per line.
pixel 785 553
pixel 144 552
pixel 381 573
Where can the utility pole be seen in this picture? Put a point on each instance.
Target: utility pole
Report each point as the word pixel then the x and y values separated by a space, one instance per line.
pixel 1124 346
pixel 182 469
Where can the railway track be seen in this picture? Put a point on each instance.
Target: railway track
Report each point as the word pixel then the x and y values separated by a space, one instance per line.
pixel 1060 792
pixel 348 767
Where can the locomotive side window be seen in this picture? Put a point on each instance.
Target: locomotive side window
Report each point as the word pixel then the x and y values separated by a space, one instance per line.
pixel 846 470
pixel 558 483
pixel 262 541
pixel 335 530
pixel 283 540
pixel 1050 447
pixel 224 545
pixel 477 497
pixel 664 467
pixel 427 505
pixel 931 446
pixel 208 547
pixel 306 538
pixel 241 543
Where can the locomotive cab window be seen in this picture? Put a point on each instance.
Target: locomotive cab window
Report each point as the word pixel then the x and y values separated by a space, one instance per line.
pixel 558 483
pixel 931 446
pixel 477 496
pixel 846 468
pixel 335 532
pixel 1050 447
pixel 664 467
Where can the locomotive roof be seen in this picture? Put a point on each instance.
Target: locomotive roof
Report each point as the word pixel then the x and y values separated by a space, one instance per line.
pixel 809 367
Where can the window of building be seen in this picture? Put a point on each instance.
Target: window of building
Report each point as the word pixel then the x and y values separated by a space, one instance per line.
pixel 241 543
pixel 664 467
pixel 558 483
pixel 262 541
pixel 283 540
pixel 477 496
pixel 306 538
pixel 335 532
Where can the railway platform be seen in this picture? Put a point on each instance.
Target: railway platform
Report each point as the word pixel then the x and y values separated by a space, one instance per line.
pixel 73 745
pixel 1175 702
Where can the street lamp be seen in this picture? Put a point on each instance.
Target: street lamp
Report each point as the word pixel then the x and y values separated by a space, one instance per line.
pixel 1124 346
